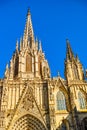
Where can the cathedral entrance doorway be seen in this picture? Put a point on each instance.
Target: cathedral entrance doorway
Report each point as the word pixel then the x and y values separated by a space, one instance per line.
pixel 84 124
pixel 28 122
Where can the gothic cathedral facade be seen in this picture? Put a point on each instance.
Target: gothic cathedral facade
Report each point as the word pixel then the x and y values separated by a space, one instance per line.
pixel 31 100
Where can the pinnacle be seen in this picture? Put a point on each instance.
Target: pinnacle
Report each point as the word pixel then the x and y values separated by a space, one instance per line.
pixel 40 46
pixel 69 54
pixel 28 32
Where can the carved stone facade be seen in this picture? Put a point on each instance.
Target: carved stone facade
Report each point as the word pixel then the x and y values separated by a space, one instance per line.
pixel 31 100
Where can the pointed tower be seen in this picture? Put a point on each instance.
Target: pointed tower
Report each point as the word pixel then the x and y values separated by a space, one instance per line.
pixel 29 61
pixel 69 55
pixel 28 38
pixel 73 67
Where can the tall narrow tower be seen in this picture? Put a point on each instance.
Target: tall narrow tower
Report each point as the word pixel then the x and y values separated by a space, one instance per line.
pixel 25 86
pixel 73 67
pixel 28 61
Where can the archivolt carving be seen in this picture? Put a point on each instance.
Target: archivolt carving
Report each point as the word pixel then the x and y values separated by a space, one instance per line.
pixel 28 122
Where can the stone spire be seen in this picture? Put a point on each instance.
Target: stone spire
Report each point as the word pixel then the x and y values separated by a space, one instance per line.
pixel 73 67
pixel 69 54
pixel 28 32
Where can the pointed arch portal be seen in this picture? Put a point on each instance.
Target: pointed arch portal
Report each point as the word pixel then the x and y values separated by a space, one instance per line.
pixel 84 124
pixel 28 122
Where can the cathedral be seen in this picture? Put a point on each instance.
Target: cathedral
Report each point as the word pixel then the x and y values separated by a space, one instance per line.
pixel 30 99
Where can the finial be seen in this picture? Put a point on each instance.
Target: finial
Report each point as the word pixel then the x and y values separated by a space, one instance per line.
pixel 7 71
pixel 77 58
pixel 36 39
pixel 67 41
pixel 68 45
pixel 6 66
pixel 17 45
pixel 28 13
pixel 58 74
pixel 40 46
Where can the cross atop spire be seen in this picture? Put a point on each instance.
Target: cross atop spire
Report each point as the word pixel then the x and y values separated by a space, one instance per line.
pixel 69 53
pixel 28 32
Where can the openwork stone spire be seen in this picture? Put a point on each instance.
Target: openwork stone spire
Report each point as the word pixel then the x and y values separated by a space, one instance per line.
pixel 28 32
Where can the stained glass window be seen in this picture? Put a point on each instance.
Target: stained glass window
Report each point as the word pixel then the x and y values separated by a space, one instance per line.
pixel 82 101
pixel 61 103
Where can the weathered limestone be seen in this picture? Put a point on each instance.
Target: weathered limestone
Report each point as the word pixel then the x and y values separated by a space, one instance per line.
pixel 31 100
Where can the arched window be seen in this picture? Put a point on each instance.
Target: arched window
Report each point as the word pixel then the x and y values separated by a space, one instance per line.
pixel 82 101
pixel 61 102
pixel 28 63
pixel 16 66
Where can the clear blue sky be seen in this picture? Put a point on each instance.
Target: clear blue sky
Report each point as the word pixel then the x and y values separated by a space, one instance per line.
pixel 53 22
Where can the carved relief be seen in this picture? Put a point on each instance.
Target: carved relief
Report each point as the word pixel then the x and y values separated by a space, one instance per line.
pixel 28 101
pixel 28 122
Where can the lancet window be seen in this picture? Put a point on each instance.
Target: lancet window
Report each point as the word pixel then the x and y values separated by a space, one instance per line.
pixel 82 101
pixel 61 102
pixel 29 63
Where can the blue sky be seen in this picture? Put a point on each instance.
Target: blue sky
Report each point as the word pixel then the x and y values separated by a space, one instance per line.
pixel 53 21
